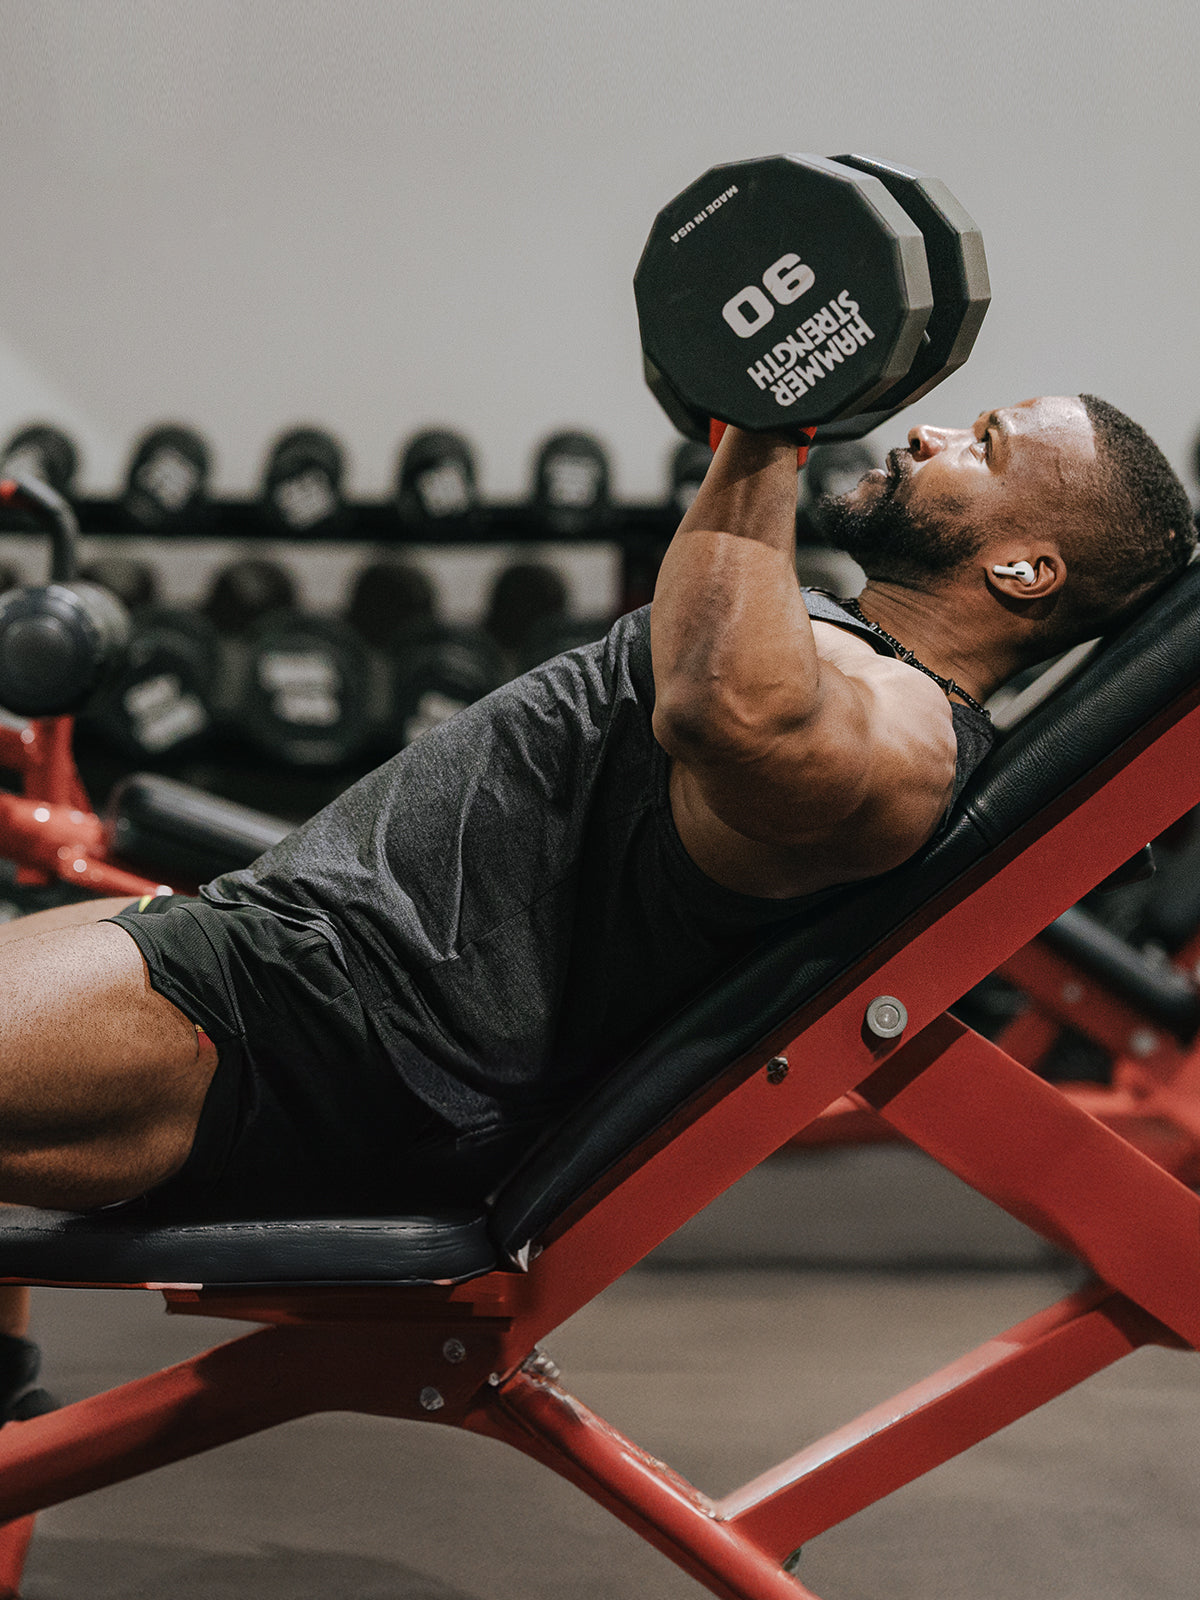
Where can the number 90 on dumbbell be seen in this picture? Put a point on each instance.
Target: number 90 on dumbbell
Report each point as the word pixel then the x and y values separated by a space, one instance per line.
pixel 798 291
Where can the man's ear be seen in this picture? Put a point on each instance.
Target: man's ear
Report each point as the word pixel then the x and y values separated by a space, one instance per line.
pixel 1027 574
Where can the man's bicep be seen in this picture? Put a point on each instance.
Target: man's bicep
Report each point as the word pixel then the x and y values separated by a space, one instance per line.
pixel 869 777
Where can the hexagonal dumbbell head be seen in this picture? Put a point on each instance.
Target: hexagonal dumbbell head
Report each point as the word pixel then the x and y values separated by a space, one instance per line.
pixel 782 292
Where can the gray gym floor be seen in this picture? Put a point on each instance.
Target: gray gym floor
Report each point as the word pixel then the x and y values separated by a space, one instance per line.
pixel 718 1368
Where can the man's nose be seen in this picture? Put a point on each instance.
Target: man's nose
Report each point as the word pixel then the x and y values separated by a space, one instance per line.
pixel 925 442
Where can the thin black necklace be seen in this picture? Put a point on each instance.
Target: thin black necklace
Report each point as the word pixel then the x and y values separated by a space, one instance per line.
pixel 947 685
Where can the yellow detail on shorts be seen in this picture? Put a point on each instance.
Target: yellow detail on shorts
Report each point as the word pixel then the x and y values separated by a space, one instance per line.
pixel 145 901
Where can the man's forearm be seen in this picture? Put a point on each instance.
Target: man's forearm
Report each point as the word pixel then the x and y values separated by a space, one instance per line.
pixel 731 636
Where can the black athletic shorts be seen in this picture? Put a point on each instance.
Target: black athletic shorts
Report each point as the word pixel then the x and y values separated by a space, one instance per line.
pixel 304 1116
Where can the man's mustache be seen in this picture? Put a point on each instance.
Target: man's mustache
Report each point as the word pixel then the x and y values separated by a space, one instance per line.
pixel 899 465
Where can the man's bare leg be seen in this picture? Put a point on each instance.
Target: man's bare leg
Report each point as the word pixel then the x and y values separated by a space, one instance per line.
pixel 77 1017
pixel 14 1297
pixel 101 1078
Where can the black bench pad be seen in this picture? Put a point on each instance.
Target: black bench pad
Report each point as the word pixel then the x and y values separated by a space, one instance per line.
pixel 60 1247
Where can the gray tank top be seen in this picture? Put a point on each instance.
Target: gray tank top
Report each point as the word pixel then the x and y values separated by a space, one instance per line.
pixel 509 895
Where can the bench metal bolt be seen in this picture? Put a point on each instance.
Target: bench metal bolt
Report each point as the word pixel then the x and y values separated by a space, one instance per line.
pixel 886 1017
pixel 431 1399
pixel 539 1365
pixel 454 1350
pixel 777 1069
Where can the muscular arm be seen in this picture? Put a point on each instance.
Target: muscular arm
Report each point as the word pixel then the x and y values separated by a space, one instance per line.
pixel 801 757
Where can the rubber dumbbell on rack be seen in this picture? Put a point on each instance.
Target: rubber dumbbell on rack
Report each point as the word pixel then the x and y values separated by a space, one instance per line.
pixel 794 292
pixel 524 595
pixel 168 702
pixel 44 452
pixel 437 486
pixel 529 616
pixel 387 596
pixel 305 697
pixel 389 602
pixel 572 488
pixel 60 641
pixel 302 487
pixel 245 591
pixel 166 486
pixel 424 669
pixel 160 706
pixel 438 669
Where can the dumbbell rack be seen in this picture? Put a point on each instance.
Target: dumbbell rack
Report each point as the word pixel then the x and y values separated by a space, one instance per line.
pixel 639 530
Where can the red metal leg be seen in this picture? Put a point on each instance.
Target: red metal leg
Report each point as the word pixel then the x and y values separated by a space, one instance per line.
pixel 1019 1141
pixel 531 1412
pixel 14 1546
pixel 381 1367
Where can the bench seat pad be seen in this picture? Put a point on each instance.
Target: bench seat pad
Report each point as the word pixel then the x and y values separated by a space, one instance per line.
pixel 58 1247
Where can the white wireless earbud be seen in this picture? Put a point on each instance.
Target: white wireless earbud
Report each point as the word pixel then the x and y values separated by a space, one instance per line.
pixel 1019 569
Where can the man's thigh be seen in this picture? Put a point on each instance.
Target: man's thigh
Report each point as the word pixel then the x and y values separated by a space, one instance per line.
pixel 101 1078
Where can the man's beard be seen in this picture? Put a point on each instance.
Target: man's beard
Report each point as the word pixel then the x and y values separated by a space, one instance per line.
pixel 890 541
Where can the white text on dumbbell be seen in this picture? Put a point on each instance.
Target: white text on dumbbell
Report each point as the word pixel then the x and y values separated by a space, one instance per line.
pixel 802 358
pixel 749 309
pixel 702 216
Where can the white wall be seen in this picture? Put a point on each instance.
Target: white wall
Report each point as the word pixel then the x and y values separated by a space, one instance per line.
pixel 377 215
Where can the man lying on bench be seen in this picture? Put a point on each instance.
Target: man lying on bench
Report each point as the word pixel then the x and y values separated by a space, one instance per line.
pixel 380 1013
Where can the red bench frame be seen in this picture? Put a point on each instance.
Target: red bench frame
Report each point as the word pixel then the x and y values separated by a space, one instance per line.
pixel 466 1356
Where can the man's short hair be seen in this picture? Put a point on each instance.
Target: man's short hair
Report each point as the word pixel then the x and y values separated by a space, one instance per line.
pixel 1147 534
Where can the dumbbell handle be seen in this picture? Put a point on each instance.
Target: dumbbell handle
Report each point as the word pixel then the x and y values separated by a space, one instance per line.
pixel 55 515
pixel 716 432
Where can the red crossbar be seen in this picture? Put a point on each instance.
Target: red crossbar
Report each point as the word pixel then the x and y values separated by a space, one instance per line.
pixel 937 1419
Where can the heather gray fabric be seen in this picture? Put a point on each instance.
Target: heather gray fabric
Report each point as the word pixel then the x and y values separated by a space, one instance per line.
pixel 509 897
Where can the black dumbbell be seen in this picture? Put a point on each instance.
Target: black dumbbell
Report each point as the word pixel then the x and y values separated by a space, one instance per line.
pixel 166 487
pixel 247 590
pixel 523 595
pixel 388 595
pixel 572 487
pixel 302 489
pixel 438 670
pixel 133 582
pixel 437 491
pixel 161 702
pixel 59 641
pixel 690 462
pixel 306 695
pixel 796 291
pixel 44 452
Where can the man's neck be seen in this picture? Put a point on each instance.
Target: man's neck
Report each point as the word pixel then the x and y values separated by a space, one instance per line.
pixel 943 634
